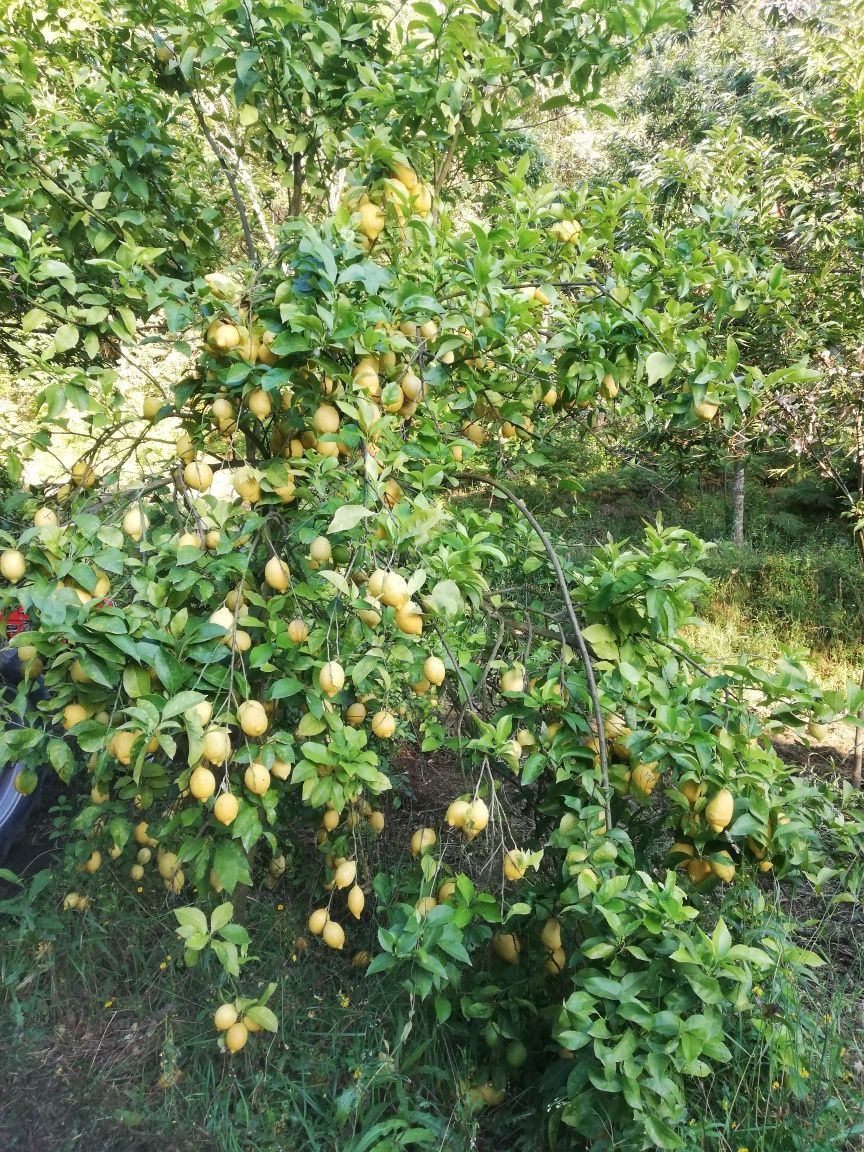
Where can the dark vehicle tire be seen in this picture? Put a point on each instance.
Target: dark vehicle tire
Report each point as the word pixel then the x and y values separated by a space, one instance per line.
pixel 15 809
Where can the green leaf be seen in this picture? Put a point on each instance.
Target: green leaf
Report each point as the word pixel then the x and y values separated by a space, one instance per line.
pixel 658 366
pixel 220 916
pixel 181 703
pixel 136 681
pixel 660 1132
pixel 246 60
pixel 721 940
pixel 533 767
pixel 192 918
pixel 66 337
pixel 706 987
pixel 169 670
pixel 443 1008
pixel 445 599
pixel 231 865
pixel 603 986
pixel 337 580
pixel 602 640
pixel 348 517
pixel 284 687
pixel 35 318
pixel 61 758
pixel 226 953
pixel 309 725
pixel 17 228
pixel 263 1016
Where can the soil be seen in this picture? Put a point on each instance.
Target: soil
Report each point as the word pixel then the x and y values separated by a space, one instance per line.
pixel 832 758
pixel 38 1100
pixel 426 785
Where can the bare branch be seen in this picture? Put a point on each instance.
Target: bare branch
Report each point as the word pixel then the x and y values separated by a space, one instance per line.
pixel 476 478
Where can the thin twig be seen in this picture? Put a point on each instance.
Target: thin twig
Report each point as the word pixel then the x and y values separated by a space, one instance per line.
pixel 476 478
pixel 229 176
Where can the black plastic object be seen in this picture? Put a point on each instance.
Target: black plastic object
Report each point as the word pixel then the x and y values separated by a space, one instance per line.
pixel 15 809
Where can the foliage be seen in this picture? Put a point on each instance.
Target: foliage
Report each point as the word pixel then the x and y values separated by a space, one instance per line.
pixel 754 122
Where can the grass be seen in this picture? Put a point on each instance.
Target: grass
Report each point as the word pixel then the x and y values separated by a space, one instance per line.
pixel 794 1081
pixel 797 585
pixel 116 1049
pixel 111 1046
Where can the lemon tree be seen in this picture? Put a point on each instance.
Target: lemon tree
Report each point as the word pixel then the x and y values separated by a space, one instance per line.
pixel 257 579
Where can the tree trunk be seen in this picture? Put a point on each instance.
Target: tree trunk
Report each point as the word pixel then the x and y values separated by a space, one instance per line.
pixel 738 503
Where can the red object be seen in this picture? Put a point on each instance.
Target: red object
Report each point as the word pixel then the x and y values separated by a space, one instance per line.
pixel 17 621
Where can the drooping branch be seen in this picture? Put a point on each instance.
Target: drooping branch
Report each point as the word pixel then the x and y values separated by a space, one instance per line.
pixel 229 176
pixel 298 174
pixel 246 177
pixel 476 478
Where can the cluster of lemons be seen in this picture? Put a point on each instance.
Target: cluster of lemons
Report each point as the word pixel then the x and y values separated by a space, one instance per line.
pixel 402 191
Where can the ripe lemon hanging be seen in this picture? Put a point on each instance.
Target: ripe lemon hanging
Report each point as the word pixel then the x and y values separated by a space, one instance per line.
pixel 476 819
pixel 422 840
pixel 198 476
pixel 246 485
pixel 393 590
pixel 434 670
pixel 457 813
pixel 506 946
pixel 236 1036
pixel 257 779
pixel 356 714
pixel 276 574
pixel 226 808
pixel 217 745
pixel 514 864
pixel 331 678
pixel 383 724
pixel 12 565
pixel 320 550
pixel 513 679
pixel 356 902
pixel 202 783
pixel 317 920
pixel 224 1016
pixel 346 874
pixel 718 811
pixel 252 718
pixel 259 403
pixel 333 935
pixel 550 934
pixel 298 632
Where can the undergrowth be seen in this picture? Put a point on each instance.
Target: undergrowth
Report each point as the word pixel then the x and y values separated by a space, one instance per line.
pixel 111 1049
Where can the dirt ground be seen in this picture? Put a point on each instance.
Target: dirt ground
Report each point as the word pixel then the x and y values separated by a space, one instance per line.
pixel 831 758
